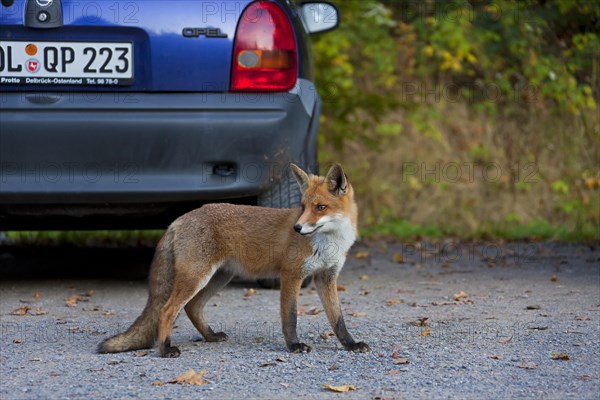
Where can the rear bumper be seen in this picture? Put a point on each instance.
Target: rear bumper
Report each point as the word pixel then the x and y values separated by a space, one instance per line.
pixel 140 148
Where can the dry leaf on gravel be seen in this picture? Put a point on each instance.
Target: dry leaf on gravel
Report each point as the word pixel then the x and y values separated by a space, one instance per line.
pixel 250 292
pixel 506 341
pixel 341 288
pixel 358 313
pixel 421 322
pixel 393 301
pixel 326 335
pixel 190 377
pixel 533 307
pixel 142 353
pixel 425 332
pixel 72 301
pixel 495 357
pixel 364 277
pixel 462 298
pixel 333 367
pixel 312 311
pixel 527 365
pixel 554 278
pixel 397 258
pixel 395 372
pixel 560 356
pixel 21 310
pixel 341 388
pixel 361 255
pixel 37 295
pixel 401 360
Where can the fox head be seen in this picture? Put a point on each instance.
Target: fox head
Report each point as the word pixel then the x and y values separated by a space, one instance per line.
pixel 327 202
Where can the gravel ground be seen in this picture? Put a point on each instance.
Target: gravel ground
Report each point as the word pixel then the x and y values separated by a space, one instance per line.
pixel 521 305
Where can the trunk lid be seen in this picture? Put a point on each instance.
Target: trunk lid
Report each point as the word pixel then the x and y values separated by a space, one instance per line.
pixel 151 46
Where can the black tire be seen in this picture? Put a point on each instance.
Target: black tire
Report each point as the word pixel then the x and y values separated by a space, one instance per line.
pixel 282 194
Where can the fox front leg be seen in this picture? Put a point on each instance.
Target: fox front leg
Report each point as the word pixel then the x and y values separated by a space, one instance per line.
pixel 290 287
pixel 326 282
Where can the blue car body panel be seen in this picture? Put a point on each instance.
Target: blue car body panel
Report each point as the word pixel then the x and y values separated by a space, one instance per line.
pixel 156 32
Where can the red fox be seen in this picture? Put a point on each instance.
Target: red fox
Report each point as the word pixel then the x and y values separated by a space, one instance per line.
pixel 202 250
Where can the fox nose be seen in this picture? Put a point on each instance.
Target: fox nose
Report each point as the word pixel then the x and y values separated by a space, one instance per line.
pixel 298 228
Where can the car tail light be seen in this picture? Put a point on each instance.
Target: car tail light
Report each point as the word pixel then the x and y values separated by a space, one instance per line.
pixel 264 55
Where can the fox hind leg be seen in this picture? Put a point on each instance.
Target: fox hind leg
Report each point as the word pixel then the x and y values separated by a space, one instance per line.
pixel 195 307
pixel 187 283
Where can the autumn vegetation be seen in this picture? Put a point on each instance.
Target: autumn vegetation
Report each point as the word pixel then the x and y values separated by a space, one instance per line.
pixel 474 118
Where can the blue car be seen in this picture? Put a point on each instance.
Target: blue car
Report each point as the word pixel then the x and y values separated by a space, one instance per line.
pixel 128 113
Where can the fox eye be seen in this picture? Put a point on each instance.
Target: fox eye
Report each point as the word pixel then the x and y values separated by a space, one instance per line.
pixel 321 207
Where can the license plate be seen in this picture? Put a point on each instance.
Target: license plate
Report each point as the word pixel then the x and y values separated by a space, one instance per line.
pixel 66 63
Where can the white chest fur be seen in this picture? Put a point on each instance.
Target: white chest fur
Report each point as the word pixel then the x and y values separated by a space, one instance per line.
pixel 331 245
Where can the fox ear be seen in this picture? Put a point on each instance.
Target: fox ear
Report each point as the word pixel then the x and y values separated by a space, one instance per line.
pixel 337 180
pixel 301 177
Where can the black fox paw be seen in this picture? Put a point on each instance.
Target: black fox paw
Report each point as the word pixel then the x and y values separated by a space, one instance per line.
pixel 170 352
pixel 217 337
pixel 299 348
pixel 359 347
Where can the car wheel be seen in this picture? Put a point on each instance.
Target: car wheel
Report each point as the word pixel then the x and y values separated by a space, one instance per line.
pixel 284 194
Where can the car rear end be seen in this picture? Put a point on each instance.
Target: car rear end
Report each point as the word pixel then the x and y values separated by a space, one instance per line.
pixel 137 110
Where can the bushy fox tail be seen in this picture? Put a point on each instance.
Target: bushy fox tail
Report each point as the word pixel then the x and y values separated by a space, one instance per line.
pixel 143 332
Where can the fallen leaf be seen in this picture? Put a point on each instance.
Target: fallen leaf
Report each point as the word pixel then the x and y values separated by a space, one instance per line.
pixel 425 332
pixel 17 341
pixel 326 335
pixel 72 301
pixel 281 359
pixel 363 293
pixel 584 377
pixel 582 319
pixel 462 298
pixel 364 277
pixel 312 311
pixel 506 341
pixel 401 360
pixel 527 365
pixel 341 288
pixel 533 307
pixel 554 278
pixel 361 255
pixel 395 355
pixel 421 321
pixel 89 293
pixel 37 295
pixel 285 385
pixel 333 367
pixel 397 258
pixel 495 357
pixel 116 362
pixel 560 356
pixel 21 310
pixel 35 359
pixel 190 377
pixel 358 313
pixel 94 308
pixel 340 389
pixel 109 312
pixel 393 301
pixel 395 372
pixel 142 353
pixel 250 292
pixel 267 364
